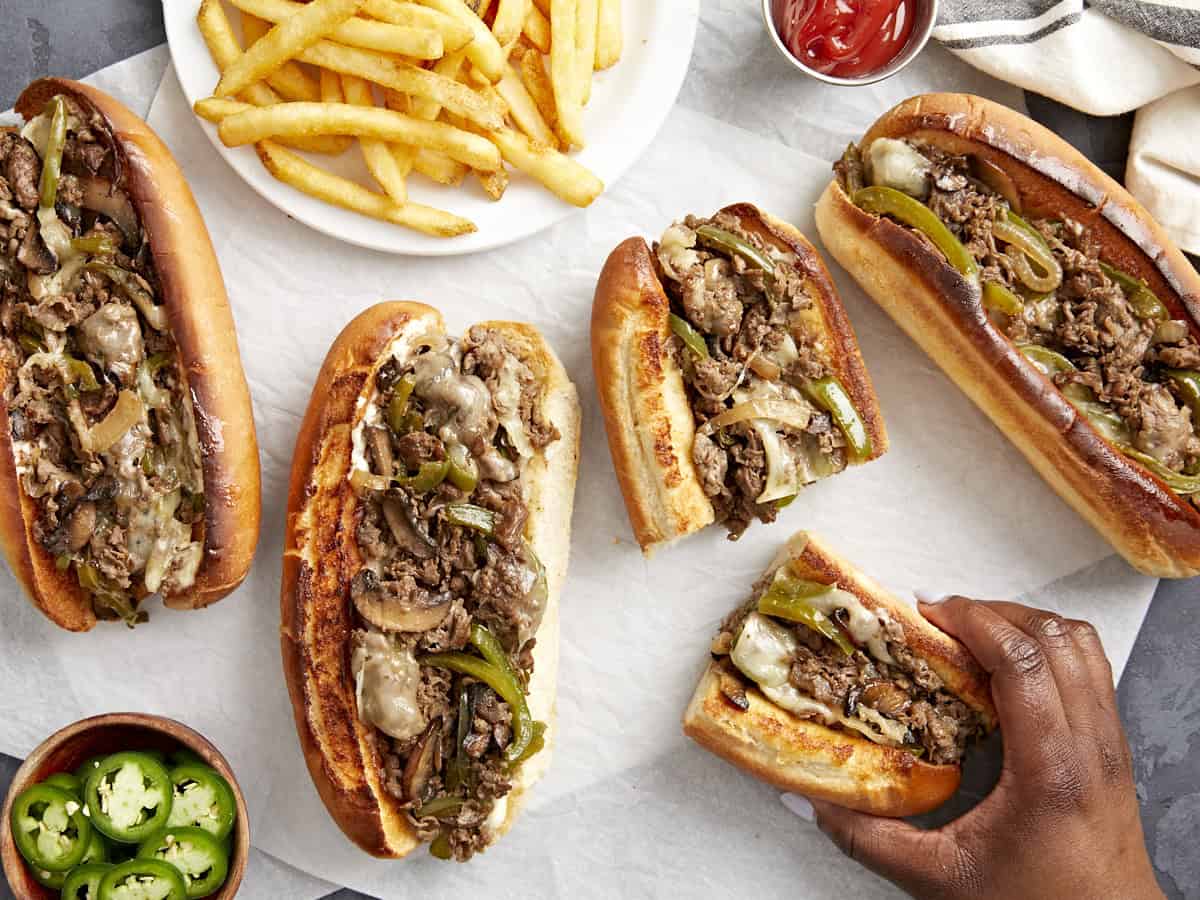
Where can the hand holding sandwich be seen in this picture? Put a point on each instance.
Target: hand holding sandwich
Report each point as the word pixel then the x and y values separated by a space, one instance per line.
pixel 1063 818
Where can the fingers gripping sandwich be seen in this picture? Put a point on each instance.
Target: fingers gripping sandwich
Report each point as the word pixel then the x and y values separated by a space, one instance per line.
pixel 428 526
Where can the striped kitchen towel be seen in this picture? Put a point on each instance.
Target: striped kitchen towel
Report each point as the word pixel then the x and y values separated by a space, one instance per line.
pixel 1104 57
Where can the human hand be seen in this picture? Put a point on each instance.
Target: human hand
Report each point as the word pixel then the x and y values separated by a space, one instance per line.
pixel 1062 821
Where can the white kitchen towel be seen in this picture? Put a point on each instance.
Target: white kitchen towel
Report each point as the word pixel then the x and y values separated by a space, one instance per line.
pixel 1104 57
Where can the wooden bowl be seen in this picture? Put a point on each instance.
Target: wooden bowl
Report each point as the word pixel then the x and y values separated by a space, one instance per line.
pixel 66 749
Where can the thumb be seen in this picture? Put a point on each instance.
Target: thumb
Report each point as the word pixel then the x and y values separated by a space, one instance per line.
pixel 919 861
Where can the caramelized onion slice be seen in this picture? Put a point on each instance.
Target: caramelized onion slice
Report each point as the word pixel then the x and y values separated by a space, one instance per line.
pixel 785 412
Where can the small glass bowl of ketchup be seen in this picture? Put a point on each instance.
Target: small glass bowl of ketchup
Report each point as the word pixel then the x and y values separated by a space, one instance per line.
pixel 850 41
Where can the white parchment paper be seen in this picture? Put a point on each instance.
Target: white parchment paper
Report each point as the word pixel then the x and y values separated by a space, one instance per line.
pixel 629 807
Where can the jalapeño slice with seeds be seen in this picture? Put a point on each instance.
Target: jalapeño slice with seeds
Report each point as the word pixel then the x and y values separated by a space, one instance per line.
pixel 129 797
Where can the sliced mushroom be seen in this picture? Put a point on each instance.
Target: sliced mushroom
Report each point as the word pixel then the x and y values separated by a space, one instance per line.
pixel 419 768
pixel 406 532
pixel 380 446
pixel 100 196
pixel 81 526
pixel 34 255
pixel 388 610
pixel 733 689
pixel 886 698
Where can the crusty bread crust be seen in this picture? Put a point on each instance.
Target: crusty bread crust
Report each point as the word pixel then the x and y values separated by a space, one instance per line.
pixel 810 758
pixel 193 293
pixel 321 556
pixel 642 396
pixel 1156 530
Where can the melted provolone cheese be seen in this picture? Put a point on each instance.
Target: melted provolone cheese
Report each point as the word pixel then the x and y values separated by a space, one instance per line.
pixel 895 164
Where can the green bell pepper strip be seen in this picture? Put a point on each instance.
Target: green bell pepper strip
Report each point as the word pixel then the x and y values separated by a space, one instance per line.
pixel 787 598
pixel 397 410
pixel 142 879
pixel 1177 481
pixel 915 214
pixel 1187 381
pixel 83 883
pixel 439 847
pixel 522 722
pixel 441 806
pixel 785 502
pixel 429 476
pixel 691 338
pixel 829 394
pixel 536 744
pixel 468 515
pixel 49 828
pixel 56 139
pixel 463 472
pixel 998 297
pixel 201 798
pixel 82 374
pixel 1045 360
pixel 29 343
pixel 1145 303
pixel 98 243
pixel 129 797
pixel 499 680
pixel 67 782
pixel 456 769
pixel 731 243
pixel 200 858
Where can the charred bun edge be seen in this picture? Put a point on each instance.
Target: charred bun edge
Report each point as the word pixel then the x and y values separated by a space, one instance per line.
pixel 193 293
pixel 1156 530
pixel 807 757
pixel 321 556
pixel 647 415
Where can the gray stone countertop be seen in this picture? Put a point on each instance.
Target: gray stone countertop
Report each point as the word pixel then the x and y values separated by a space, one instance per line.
pixel 1160 691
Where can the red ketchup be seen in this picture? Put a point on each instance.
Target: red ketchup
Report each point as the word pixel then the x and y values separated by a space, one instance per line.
pixel 847 38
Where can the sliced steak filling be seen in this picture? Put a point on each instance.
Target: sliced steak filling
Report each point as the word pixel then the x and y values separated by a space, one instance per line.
pixel 440 457
pixel 100 413
pixel 743 335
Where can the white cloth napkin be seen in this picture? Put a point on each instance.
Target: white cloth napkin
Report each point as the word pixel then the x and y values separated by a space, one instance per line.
pixel 1104 57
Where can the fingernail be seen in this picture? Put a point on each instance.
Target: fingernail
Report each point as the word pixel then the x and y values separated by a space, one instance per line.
pixel 798 806
pixel 929 596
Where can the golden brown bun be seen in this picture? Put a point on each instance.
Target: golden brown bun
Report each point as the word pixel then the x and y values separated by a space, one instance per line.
pixel 1156 530
pixel 807 757
pixel 321 556
pixel 193 293
pixel 646 410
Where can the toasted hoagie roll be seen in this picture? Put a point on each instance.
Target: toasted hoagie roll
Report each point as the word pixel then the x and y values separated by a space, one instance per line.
pixel 128 460
pixel 1049 296
pixel 728 374
pixel 428 525
pixel 825 684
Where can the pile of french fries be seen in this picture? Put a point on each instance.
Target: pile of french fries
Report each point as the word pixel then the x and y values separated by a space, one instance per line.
pixel 440 88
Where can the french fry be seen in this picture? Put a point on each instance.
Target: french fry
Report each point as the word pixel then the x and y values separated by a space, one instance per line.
pixel 284 42
pixel 292 82
pixel 455 35
pixel 381 163
pixel 448 67
pixel 565 69
pixel 537 29
pixel 222 43
pixel 585 47
pixel 317 182
pixel 608 34
pixel 484 50
pixel 305 119
pixel 537 83
pixel 523 110
pixel 404 40
pixel 543 7
pixel 494 184
pixel 215 109
pixel 565 177
pixel 406 78
pixel 439 168
pixel 509 21
pixel 331 92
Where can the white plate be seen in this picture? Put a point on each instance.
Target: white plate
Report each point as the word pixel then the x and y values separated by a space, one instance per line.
pixel 629 103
